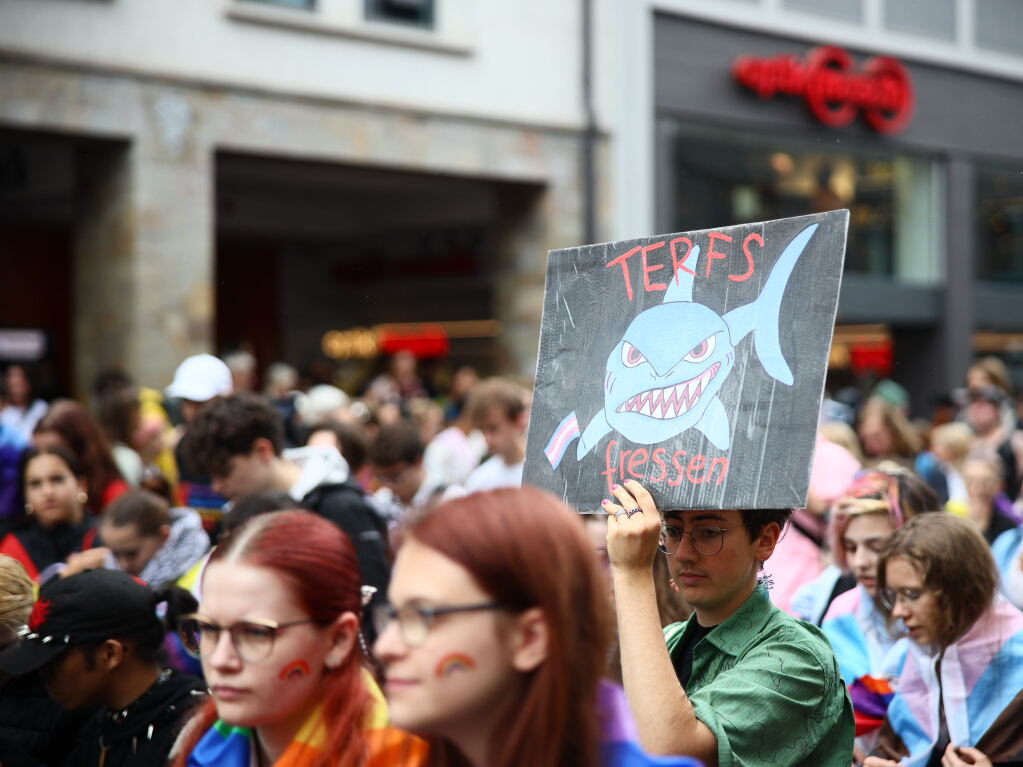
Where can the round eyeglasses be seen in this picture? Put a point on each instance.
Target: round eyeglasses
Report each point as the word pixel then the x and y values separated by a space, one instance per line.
pixel 891 597
pixel 415 621
pixel 707 539
pixel 253 640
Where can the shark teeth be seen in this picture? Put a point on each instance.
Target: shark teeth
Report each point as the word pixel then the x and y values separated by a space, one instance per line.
pixel 671 401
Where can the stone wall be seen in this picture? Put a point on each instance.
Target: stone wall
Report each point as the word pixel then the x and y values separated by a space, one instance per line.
pixel 144 247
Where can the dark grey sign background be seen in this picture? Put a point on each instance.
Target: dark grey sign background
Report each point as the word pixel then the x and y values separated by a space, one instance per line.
pixel 772 425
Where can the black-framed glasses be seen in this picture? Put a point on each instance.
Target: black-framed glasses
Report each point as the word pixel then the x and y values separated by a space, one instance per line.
pixel 707 539
pixel 253 639
pixel 891 597
pixel 415 621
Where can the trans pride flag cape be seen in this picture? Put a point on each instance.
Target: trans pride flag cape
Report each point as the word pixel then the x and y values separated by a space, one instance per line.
pixel 868 655
pixel 227 746
pixel 981 680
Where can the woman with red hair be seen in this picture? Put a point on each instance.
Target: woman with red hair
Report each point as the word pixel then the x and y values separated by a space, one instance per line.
pixel 69 425
pixel 278 635
pixel 497 635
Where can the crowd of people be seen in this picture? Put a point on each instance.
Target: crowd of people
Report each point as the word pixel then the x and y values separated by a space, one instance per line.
pixel 211 575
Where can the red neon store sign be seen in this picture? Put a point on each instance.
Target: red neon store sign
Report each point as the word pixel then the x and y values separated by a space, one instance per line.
pixel 835 93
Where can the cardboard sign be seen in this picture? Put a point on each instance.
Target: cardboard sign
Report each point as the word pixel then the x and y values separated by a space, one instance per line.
pixel 692 362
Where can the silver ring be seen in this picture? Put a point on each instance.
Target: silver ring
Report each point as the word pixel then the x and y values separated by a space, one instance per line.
pixel 636 510
pixel 620 512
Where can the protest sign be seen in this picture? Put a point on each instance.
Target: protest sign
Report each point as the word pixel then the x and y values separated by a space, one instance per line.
pixel 691 362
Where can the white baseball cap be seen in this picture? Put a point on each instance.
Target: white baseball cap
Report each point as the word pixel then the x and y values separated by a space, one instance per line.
pixel 201 378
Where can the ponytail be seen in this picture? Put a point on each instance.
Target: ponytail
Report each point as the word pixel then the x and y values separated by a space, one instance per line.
pixel 178 602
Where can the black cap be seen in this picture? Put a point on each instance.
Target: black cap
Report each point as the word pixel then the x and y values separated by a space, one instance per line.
pixel 87 607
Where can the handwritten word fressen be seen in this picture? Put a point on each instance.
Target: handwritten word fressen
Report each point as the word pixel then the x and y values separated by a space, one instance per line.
pixel 698 470
pixel 680 249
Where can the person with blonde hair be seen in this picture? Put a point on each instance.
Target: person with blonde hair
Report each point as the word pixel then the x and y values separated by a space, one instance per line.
pixel 950 444
pixel 843 435
pixel 17 595
pixel 33 728
pixel 886 433
pixel 862 521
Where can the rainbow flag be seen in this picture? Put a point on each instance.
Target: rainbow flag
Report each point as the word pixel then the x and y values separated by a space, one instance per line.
pixel 227 746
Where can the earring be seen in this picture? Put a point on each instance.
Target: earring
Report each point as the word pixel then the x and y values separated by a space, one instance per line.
pixel 82 497
pixel 364 645
pixel 29 509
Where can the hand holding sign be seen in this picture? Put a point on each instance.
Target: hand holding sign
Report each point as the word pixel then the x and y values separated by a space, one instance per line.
pixel 633 528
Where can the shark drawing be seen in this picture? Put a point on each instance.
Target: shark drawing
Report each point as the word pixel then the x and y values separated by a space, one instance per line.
pixel 663 377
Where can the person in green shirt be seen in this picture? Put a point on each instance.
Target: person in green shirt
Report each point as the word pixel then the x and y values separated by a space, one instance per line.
pixel 741 682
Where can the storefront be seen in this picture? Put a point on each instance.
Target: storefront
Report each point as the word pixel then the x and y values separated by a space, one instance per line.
pixel 751 126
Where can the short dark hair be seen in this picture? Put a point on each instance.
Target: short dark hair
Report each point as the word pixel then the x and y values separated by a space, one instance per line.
pixel 229 427
pixel 249 506
pixel 398 442
pixel 147 643
pixel 757 519
pixel 352 439
pixel 144 510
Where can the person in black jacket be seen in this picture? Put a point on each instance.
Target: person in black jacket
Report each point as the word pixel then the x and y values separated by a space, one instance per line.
pixel 239 441
pixel 34 730
pixel 95 640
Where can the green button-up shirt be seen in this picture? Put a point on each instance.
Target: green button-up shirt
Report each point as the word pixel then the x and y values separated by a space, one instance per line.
pixel 768 687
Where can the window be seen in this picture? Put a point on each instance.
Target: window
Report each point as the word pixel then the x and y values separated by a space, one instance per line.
pixel 721 178
pixel 999 224
pixel 418 13
pixel 304 5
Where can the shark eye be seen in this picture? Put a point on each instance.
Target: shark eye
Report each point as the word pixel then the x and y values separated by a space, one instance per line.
pixel 702 350
pixel 631 356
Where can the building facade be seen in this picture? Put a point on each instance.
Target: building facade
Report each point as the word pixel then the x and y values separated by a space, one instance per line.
pixel 294 175
pixel 934 263
pixel 185 176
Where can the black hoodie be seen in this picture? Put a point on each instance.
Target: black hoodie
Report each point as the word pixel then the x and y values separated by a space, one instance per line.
pixel 143 732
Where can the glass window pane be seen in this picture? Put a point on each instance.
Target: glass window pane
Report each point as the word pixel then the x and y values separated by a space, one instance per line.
pixel 850 10
pixel 930 18
pixel 999 224
pixel 722 177
pixel 418 13
pixel 305 5
pixel 998 24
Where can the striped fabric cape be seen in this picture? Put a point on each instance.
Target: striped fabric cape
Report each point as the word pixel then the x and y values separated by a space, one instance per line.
pixel 227 746
pixel 868 655
pixel 980 678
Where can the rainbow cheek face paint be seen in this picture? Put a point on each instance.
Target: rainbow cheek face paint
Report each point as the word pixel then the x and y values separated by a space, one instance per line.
pixel 294 670
pixel 449 664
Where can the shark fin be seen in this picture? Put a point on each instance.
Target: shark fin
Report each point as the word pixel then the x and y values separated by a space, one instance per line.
pixel 596 430
pixel 714 425
pixel 680 288
pixel 763 316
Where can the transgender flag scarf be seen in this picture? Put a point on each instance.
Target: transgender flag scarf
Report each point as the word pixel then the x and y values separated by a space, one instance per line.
pixel 979 678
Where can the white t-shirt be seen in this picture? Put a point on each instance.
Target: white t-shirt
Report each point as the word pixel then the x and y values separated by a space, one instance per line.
pixel 453 455
pixel 495 473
